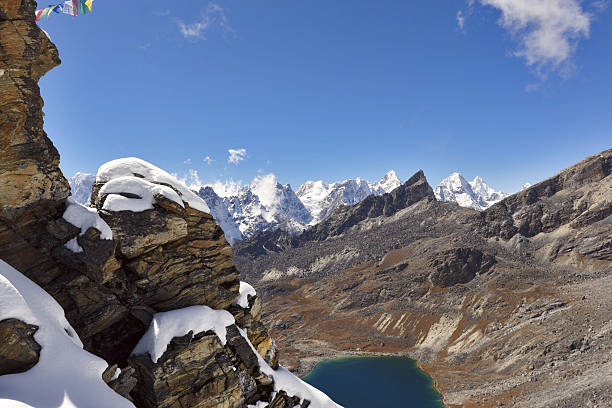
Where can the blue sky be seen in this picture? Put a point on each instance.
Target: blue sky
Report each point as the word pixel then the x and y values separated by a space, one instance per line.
pixel 332 90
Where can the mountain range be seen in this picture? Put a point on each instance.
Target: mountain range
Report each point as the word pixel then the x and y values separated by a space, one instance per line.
pixel 474 194
pixel 509 306
pixel 265 204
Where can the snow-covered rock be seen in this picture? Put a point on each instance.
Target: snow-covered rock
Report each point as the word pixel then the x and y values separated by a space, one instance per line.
pixel 80 186
pixel 84 218
pixel 176 323
pixel 136 177
pixel 476 194
pixel 388 183
pixel 65 375
pixel 142 194
pixel 246 290
pixel 199 319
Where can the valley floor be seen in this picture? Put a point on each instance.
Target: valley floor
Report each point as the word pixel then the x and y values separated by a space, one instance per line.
pixel 535 347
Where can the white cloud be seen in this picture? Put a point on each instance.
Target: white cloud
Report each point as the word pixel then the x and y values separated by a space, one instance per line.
pixel 264 186
pixel 227 188
pixel 460 20
pixel 212 16
pixel 533 87
pixel 191 180
pixel 187 161
pixel 548 30
pixel 208 160
pixel 236 155
pixel 600 5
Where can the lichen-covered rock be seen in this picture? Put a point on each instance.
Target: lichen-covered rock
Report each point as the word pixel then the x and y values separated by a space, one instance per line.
pixel 18 350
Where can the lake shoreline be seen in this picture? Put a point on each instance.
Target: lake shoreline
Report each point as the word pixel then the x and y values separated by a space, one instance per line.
pixel 393 371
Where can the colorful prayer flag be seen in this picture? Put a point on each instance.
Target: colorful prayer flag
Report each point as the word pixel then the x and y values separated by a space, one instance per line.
pixel 72 7
pixel 68 8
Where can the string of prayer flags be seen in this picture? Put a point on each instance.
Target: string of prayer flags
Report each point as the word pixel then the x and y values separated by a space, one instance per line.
pixel 72 7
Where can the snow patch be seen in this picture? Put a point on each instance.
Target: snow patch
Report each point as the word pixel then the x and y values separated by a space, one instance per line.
pixel 145 190
pixel 73 245
pixel 84 218
pixel 66 376
pixel 116 375
pixel 12 303
pixel 176 323
pixel 243 299
pixel 134 167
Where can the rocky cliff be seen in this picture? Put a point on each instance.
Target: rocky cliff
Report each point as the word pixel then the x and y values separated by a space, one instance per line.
pixel 506 307
pixel 144 277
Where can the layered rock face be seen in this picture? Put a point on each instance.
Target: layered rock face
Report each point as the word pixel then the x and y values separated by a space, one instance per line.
pixel 29 171
pixel 146 246
pixel 32 187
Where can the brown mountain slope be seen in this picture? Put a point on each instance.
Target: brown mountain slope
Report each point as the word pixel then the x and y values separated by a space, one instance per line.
pixel 511 306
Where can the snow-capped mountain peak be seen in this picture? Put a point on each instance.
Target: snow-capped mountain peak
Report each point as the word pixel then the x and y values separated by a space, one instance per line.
pixel 476 194
pixel 261 205
pixel 388 183
pixel 321 199
pixel 80 186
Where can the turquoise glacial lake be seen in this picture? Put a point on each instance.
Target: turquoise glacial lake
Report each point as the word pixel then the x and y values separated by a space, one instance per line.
pixel 376 382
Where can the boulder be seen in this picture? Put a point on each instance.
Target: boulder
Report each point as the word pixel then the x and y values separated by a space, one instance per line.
pixel 18 350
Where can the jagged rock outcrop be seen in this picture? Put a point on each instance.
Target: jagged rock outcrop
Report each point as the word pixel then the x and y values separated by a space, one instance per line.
pixel 579 196
pixel 18 350
pixel 250 319
pixel 29 171
pixel 195 371
pixel 173 256
pixel 32 187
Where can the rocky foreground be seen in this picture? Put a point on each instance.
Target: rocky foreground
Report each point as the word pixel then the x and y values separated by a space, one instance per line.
pixel 132 301
pixel 511 306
